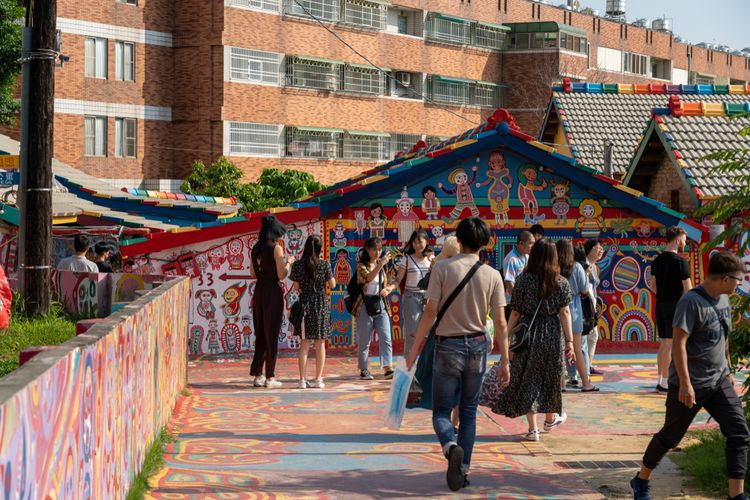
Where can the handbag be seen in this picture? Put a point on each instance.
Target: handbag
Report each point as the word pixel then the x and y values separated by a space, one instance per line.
pixel 520 337
pixel 490 391
pixel 415 393
pixel 590 318
pixel 424 282
pixel 297 314
pixel 373 304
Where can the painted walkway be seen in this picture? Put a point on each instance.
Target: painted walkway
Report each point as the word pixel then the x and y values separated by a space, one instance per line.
pixel 235 441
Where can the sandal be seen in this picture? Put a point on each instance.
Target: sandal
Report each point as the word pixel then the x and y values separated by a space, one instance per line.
pixel 592 389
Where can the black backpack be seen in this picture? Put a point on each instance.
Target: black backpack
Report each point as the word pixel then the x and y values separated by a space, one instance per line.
pixel 590 316
pixel 353 291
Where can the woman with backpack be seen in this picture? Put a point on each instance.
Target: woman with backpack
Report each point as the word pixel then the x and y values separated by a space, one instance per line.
pixel 371 307
pixel 310 276
pixel 410 270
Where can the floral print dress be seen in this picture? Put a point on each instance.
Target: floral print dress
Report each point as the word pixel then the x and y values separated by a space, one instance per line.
pixel 313 295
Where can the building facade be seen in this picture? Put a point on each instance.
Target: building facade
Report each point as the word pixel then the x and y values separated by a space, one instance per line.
pixel 332 87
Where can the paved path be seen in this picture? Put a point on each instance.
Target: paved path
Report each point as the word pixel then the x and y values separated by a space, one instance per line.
pixel 235 441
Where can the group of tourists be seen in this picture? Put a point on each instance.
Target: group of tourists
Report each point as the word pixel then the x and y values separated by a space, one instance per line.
pixel 80 261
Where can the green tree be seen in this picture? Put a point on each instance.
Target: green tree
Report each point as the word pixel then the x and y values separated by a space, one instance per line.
pixel 275 188
pixel 732 210
pixel 11 26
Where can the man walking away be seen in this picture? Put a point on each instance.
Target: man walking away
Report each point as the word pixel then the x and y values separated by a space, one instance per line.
pixel 670 278
pixel 79 262
pixel 699 376
pixel 515 262
pixel 461 343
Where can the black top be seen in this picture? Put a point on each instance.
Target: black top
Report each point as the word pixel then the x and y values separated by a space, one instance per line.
pixel 104 266
pixel 264 264
pixel 669 269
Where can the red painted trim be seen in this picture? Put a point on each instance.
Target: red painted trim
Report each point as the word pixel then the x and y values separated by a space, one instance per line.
pixel 439 152
pixel 606 179
pixel 521 135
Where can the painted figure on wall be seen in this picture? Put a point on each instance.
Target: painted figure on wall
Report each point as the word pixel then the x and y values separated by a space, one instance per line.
pixel 499 192
pixel 342 270
pixel 246 332
pixel 295 237
pixel 560 201
pixel 232 296
pixel 644 229
pixel 235 257
pixel 216 258
pixel 405 217
pixel 590 223
pixel 430 203
pixel 214 347
pixel 196 339
pixel 230 337
pixel 527 177
pixel 377 221
pixel 201 260
pixel 360 223
pixel 462 189
pixel 438 232
pixel 339 235
pixel 206 308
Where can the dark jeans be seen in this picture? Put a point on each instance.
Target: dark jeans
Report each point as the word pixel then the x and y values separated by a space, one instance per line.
pixel 723 404
pixel 457 375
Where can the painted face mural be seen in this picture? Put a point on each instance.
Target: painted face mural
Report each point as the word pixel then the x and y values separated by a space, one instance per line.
pixel 462 189
pixel 360 223
pixel 235 258
pixel 430 203
pixel 405 218
pixel 232 296
pixel 377 221
pixel 498 194
pixel 560 202
pixel 590 223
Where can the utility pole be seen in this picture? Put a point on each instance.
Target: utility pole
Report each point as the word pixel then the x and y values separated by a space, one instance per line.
pixel 35 185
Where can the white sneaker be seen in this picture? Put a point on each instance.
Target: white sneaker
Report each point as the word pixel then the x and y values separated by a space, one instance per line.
pixel 557 422
pixel 303 383
pixel 532 435
pixel 318 384
pixel 259 381
pixel 272 383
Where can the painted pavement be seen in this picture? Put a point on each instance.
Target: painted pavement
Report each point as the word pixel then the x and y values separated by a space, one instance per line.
pixel 235 441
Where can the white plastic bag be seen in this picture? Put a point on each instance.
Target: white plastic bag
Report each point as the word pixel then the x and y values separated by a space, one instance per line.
pixel 396 405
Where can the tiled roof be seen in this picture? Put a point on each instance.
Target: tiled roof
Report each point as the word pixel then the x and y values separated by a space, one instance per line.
pixel 169 195
pixel 691 131
pixel 591 114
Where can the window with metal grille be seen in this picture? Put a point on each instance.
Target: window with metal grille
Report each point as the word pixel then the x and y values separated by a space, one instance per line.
pixel 326 10
pixel 254 139
pixel 401 143
pixel 448 91
pixel 310 142
pixel 95 56
pixel 364 146
pixel 485 95
pixel 311 73
pixel 634 63
pixel 125 61
pixel 95 135
pixel 362 80
pixel 488 36
pixel 448 29
pixel 257 66
pixel 405 84
pixel 125 137
pixel 129 2
pixel 267 5
pixel 363 13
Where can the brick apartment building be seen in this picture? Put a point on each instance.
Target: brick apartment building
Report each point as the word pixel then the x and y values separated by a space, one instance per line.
pixel 153 85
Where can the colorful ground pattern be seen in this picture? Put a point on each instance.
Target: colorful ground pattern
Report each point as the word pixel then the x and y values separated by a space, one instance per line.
pixel 235 441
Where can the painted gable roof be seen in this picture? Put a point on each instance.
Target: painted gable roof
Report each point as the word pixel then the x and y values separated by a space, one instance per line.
pixel 691 130
pixel 592 113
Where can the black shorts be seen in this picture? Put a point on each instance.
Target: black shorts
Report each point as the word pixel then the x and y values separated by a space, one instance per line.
pixel 664 316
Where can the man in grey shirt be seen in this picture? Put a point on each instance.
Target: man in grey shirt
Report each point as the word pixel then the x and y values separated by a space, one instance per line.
pixel 78 262
pixel 699 376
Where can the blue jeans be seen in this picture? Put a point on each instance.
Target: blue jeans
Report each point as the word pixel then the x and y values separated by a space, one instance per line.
pixel 412 307
pixel 381 323
pixel 457 375
pixel 572 372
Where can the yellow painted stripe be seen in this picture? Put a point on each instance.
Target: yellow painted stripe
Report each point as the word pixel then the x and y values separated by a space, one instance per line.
pixel 628 190
pixel 461 144
pixel 64 220
pixel 713 109
pixel 185 229
pixel 625 88
pixel 102 195
pixel 91 213
pixel 736 89
pixel 544 147
pixel 374 178
pixel 278 210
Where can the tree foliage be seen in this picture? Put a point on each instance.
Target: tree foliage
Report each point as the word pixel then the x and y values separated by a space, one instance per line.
pixel 275 188
pixel 11 26
pixel 732 209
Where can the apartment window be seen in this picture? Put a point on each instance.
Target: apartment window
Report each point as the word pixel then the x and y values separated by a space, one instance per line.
pixel 95 135
pixel 312 73
pixel 442 28
pixel 326 10
pixel 703 79
pixel 635 63
pixel 254 139
pixel 661 68
pixel 364 145
pixel 465 92
pixel 485 94
pixel 674 199
pixel 573 43
pixel 254 66
pixel 364 13
pixel 405 84
pixel 96 57
pixel 312 142
pixel 129 2
pixel 489 36
pixel 404 21
pixel 267 5
pixel 125 61
pixel 401 143
pixel 125 137
pixel 362 79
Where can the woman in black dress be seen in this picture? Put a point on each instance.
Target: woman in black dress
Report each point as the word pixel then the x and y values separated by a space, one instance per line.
pixel 311 275
pixel 269 267
pixel 535 373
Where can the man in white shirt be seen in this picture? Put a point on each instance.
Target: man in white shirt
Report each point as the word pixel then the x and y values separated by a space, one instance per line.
pixel 78 262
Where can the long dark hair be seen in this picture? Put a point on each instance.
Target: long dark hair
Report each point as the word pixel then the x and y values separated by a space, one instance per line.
pixel 271 230
pixel 373 242
pixel 543 263
pixel 311 255
pixel 421 234
pixel 579 254
pixel 565 256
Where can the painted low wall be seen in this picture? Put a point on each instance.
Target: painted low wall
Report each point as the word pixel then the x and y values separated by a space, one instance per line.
pixel 76 421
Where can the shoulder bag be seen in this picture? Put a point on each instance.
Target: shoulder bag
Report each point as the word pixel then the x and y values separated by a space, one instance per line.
pixel 521 336
pixel 374 303
pixel 724 327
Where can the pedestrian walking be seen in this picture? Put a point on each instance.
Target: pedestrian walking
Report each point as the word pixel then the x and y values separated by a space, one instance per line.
pixel 310 276
pixel 371 308
pixel 410 270
pixel 514 263
pixel 78 261
pixel 594 251
pixel 101 258
pixel 460 293
pixel 699 376
pixel 535 372
pixel 670 278
pixel 269 267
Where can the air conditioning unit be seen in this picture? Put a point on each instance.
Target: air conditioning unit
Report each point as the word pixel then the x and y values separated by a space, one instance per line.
pixel 404 78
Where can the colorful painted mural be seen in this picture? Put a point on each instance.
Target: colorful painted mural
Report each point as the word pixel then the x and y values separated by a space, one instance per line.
pixel 81 429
